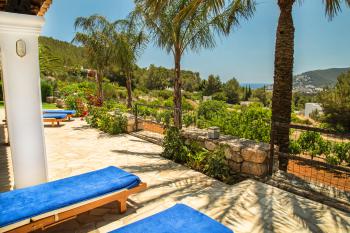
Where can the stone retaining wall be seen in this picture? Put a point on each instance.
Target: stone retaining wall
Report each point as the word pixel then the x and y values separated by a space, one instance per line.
pixel 243 156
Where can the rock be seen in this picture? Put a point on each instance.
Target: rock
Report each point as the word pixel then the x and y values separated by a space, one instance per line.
pixel 230 154
pixel 235 167
pixel 210 145
pixel 254 169
pixel 254 154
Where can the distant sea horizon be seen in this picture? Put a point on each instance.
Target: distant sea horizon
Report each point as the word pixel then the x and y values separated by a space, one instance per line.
pixel 254 85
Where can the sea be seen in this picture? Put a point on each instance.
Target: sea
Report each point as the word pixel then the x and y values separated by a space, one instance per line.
pixel 255 85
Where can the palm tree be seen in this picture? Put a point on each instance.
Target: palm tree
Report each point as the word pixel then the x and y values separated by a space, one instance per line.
pixel 283 75
pixel 49 64
pixel 130 42
pixel 178 27
pixel 98 36
pixel 284 59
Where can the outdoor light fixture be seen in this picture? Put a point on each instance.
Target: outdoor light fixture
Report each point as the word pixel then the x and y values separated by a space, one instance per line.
pixel 21 48
pixel 214 132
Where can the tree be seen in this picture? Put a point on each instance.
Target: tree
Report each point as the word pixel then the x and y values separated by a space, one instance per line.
pixel 212 85
pixel 157 78
pixel 49 64
pixel 262 95
pixel 283 74
pixel 98 36
pixel 130 41
pixel 231 89
pixel 336 103
pixel 178 27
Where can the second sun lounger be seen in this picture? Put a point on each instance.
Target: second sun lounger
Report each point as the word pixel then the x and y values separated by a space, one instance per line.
pixel 45 205
pixel 54 118
pixel 177 219
pixel 70 113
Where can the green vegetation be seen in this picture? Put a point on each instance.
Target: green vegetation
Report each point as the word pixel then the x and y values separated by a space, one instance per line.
pixel 49 106
pixel 107 121
pixel 68 54
pixel 251 122
pixel 336 104
pixel 211 163
pixel 313 144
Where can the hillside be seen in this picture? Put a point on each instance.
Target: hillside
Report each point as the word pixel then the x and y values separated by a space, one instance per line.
pixel 69 54
pixel 318 78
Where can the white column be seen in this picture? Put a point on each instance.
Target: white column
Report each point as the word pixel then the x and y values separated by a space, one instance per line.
pixel 21 80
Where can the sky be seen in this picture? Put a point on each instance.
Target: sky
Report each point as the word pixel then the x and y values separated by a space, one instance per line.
pixel 246 54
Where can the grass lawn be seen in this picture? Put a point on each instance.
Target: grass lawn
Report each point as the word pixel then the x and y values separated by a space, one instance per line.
pixel 49 106
pixel 45 105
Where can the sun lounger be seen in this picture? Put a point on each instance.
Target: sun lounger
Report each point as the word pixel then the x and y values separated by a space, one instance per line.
pixel 70 113
pixel 45 205
pixel 180 219
pixel 54 118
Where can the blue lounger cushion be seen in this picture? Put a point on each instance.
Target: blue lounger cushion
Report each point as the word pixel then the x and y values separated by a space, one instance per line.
pixel 29 202
pixel 69 112
pixel 177 219
pixel 54 115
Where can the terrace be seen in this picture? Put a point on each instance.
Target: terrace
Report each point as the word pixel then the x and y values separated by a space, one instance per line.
pixel 249 206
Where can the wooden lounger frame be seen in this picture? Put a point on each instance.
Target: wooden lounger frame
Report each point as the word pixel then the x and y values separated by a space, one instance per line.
pixel 54 121
pixel 59 217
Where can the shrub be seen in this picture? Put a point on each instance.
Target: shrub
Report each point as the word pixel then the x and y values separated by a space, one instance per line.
pixel 211 109
pixel 76 102
pixel 164 94
pixel 194 156
pixel 216 166
pixel 101 118
pixel 333 159
pixel 110 91
pixel 220 96
pixel 174 146
pixel 189 119
pixel 46 90
pixel 313 143
pixel 294 147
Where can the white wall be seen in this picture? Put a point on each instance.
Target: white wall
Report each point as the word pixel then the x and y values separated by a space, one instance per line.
pixel 310 107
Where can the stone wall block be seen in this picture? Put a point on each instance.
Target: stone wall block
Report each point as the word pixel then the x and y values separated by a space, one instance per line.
pixel 254 154
pixel 254 169
pixel 209 145
pixel 234 167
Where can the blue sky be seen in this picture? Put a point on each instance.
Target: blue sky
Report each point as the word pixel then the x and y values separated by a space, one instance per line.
pixel 247 54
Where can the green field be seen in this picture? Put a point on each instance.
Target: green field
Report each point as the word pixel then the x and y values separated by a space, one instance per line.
pixel 49 106
pixel 45 105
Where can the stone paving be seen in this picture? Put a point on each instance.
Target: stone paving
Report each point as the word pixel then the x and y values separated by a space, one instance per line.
pixel 249 206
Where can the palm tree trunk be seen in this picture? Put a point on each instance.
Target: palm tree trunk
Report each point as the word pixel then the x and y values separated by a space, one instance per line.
pixel 177 91
pixel 99 80
pixel 283 78
pixel 129 89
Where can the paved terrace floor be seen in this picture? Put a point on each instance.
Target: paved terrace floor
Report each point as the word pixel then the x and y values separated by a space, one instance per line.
pixel 249 206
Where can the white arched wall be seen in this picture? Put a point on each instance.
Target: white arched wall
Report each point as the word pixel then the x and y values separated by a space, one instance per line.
pixel 21 80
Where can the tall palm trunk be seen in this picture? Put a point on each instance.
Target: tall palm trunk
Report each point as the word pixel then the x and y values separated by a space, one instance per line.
pixel 177 91
pixel 99 80
pixel 129 89
pixel 283 78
